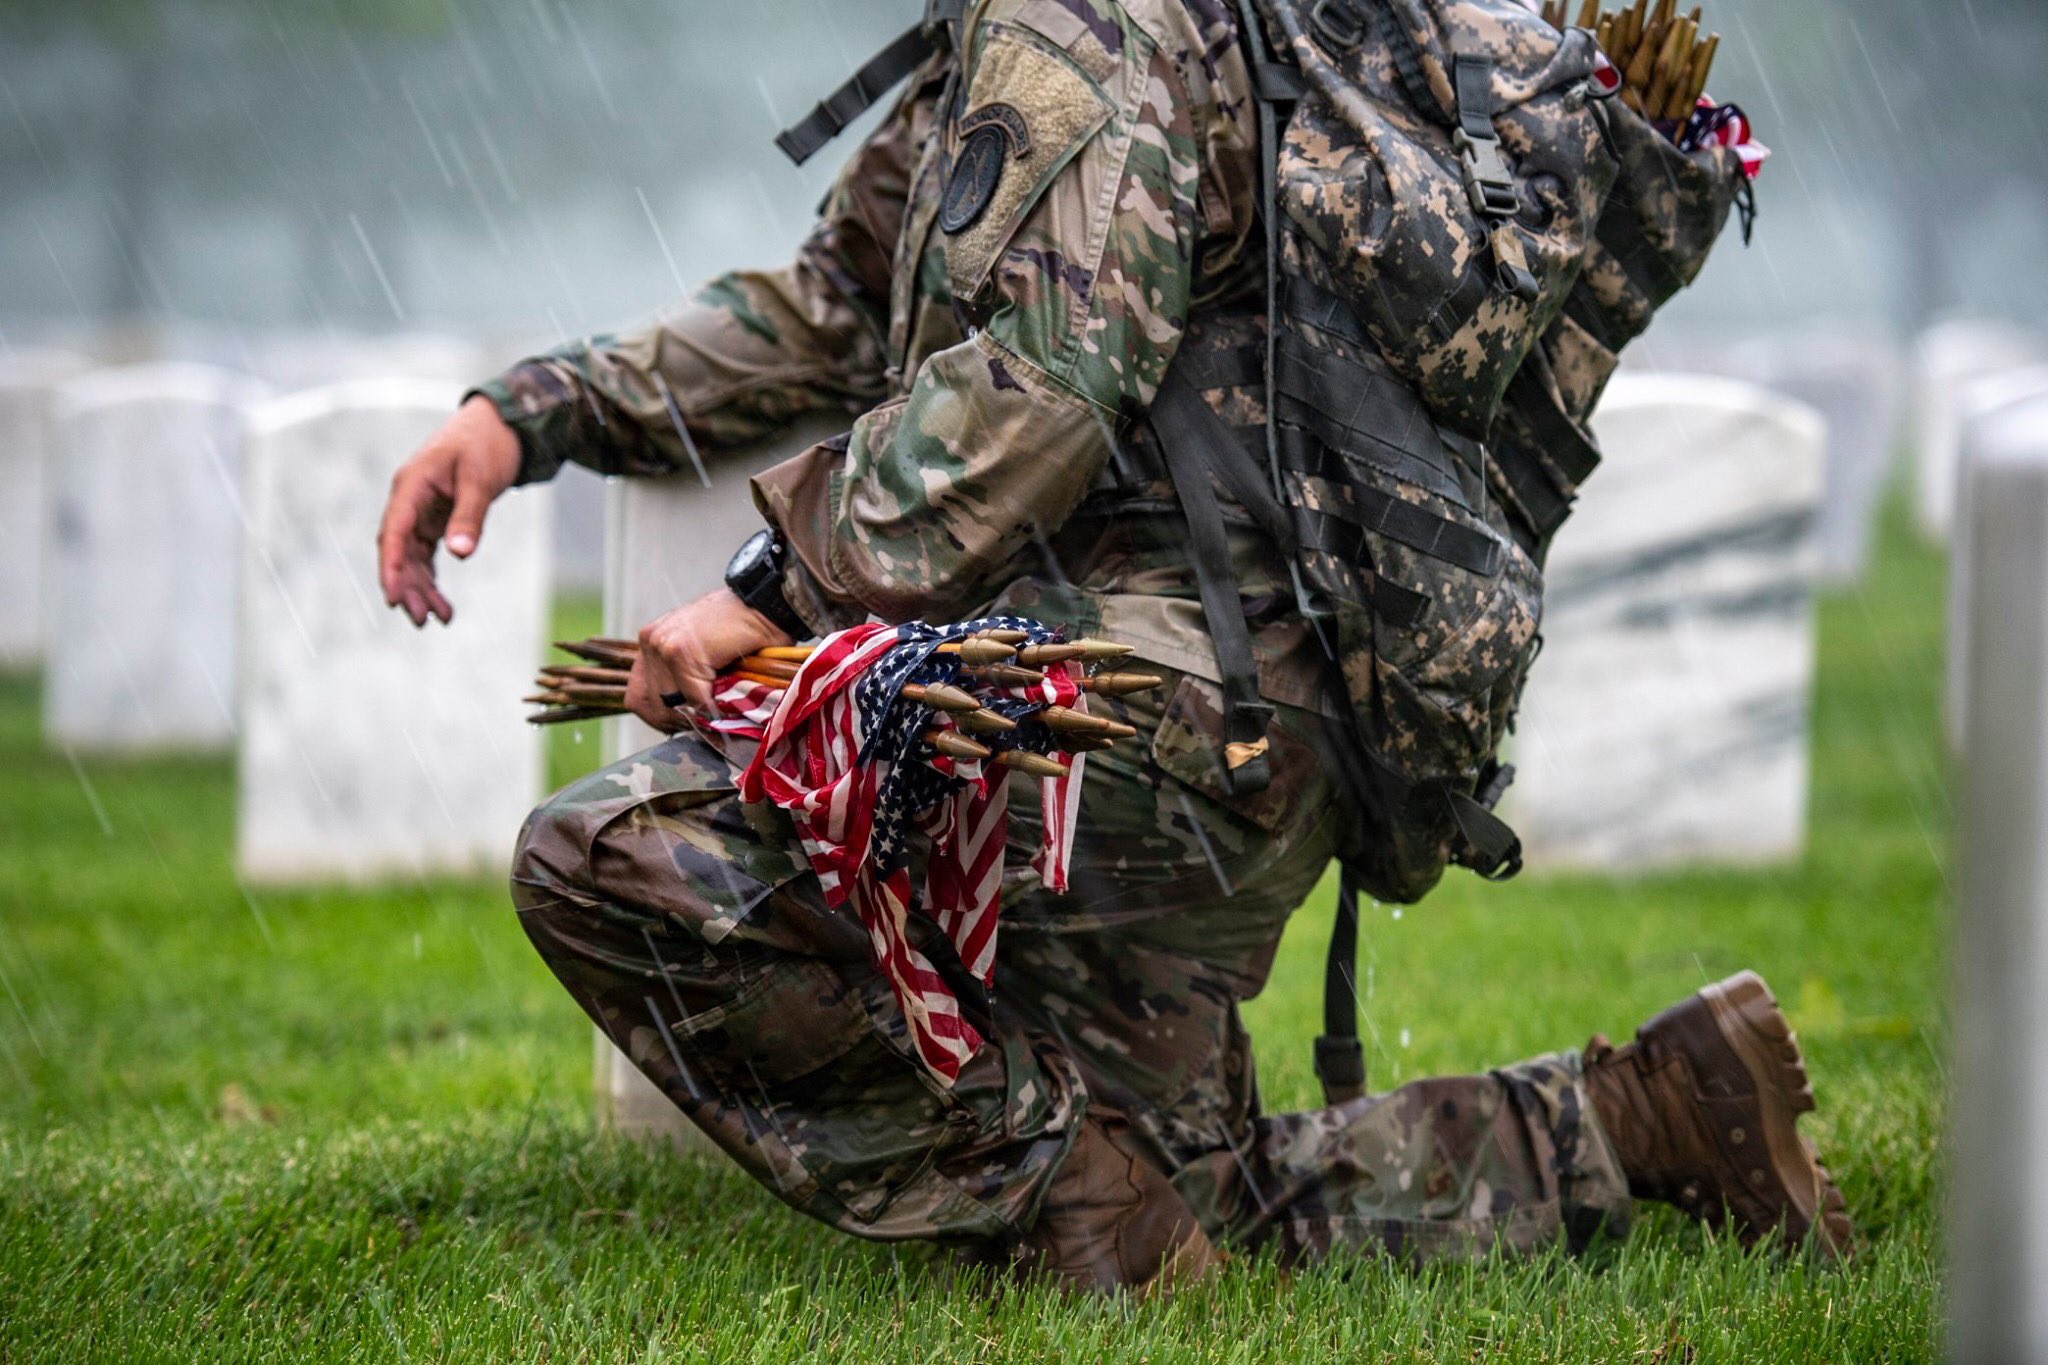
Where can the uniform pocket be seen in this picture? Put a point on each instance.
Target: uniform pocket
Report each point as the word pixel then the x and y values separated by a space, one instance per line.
pixel 789 1017
pixel 1188 746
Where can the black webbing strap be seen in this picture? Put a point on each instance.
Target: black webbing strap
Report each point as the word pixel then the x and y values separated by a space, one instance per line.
pixel 1563 443
pixel 1473 79
pixel 1274 104
pixel 877 77
pixel 1648 268
pixel 1533 421
pixel 1358 411
pixel 1228 367
pixel 1341 532
pixel 1340 1057
pixel 1192 440
pixel 1536 500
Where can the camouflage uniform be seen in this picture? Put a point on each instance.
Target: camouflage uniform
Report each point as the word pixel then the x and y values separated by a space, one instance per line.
pixel 997 367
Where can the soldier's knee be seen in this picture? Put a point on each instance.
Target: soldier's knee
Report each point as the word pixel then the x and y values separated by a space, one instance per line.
pixel 551 859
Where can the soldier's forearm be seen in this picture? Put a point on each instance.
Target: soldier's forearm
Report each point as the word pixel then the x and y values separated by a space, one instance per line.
pixel 734 367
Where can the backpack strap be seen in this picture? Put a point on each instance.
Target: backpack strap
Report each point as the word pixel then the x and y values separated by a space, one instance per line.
pixel 1276 97
pixel 1340 1056
pixel 1193 441
pixel 1489 184
pixel 876 77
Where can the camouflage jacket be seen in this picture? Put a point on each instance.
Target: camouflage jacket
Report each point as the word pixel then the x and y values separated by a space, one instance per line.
pixel 1000 277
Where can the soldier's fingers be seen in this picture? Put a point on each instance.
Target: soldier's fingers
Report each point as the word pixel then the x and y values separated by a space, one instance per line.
pixel 438 602
pixel 466 522
pixel 643 699
pixel 414 606
pixel 394 538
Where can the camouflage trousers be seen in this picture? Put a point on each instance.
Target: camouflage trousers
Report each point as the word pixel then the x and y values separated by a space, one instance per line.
pixel 688 927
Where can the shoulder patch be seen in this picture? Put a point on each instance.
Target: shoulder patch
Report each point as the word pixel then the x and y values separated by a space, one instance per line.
pixel 1002 116
pixel 977 170
pixel 1029 112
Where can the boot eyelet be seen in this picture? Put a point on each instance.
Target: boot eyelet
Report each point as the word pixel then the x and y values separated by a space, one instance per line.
pixel 1756 1177
pixel 1738 1136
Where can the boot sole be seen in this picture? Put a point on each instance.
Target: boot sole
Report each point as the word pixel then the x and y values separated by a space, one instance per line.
pixel 1748 1019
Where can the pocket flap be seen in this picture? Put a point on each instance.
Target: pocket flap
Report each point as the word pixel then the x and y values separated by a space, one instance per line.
pixel 1188 745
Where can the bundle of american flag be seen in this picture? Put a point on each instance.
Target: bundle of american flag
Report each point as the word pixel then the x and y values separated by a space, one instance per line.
pixel 863 740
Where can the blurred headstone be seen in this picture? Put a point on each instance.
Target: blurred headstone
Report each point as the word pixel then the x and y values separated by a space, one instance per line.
pixel 1855 381
pixel 1666 719
pixel 1990 399
pixel 1997 1221
pixel 579 530
pixel 146 534
pixel 291 361
pixel 28 398
pixel 1951 363
pixel 369 748
pixel 667 542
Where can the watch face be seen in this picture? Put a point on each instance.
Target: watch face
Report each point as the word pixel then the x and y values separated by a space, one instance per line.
pixel 750 559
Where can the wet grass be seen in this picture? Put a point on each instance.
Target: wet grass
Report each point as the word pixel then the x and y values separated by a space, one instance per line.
pixel 355 1125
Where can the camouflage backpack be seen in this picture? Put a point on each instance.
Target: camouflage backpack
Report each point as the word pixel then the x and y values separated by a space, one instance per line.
pixel 1462 234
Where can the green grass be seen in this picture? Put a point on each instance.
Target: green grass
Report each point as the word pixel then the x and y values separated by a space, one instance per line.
pixel 355 1124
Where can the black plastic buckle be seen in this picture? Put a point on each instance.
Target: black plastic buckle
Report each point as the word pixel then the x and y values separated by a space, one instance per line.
pixel 1494 780
pixel 1488 183
pixel 1336 35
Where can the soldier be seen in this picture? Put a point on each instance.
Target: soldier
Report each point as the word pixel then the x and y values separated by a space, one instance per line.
pixel 1063 203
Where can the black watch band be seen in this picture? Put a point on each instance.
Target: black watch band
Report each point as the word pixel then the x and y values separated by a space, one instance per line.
pixel 755 577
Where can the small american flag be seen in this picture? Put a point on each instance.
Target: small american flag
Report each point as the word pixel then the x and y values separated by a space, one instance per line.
pixel 840 749
pixel 1724 125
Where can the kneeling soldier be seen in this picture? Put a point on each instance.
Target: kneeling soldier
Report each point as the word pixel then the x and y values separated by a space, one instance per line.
pixel 1065 202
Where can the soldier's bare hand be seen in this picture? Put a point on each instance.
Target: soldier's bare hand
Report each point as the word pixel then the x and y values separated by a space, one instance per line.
pixel 681 653
pixel 443 490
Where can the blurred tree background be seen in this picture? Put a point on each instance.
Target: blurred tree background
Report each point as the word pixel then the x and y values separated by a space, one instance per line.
pixel 532 168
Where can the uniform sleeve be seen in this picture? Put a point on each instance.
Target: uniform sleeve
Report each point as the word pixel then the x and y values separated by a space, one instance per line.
pixel 751 351
pixel 1075 276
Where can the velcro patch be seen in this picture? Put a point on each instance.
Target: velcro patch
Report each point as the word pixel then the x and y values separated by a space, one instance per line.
pixel 1029 113
pixel 1002 116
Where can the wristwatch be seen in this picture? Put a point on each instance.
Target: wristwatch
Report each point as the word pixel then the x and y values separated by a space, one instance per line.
pixel 755 576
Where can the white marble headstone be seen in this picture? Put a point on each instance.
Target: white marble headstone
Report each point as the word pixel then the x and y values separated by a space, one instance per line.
pixel 28 395
pixel 1952 363
pixel 371 749
pixel 2001 408
pixel 580 517
pixel 1665 721
pixel 1856 382
pixel 1855 377
pixel 145 537
pixel 666 542
pixel 1997 1119
pixel 304 360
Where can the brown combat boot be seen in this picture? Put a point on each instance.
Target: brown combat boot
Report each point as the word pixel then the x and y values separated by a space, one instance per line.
pixel 1112 1221
pixel 1701 1109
